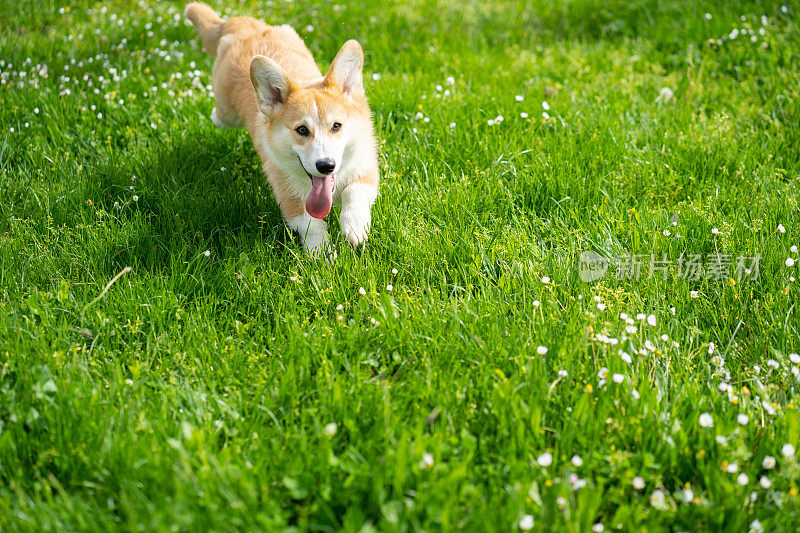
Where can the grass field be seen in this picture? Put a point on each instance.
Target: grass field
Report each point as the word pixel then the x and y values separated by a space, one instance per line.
pixel 454 374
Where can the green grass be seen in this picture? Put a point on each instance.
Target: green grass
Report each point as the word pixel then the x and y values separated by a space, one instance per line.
pixel 199 392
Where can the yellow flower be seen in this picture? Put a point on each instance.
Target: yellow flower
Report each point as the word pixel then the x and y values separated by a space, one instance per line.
pixel 793 492
pixel 589 388
pixel 548 483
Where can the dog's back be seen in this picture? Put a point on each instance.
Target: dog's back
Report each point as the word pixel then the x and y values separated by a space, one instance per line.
pixel 234 42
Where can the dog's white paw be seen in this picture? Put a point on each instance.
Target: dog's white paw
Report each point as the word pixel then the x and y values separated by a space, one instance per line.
pixel 355 225
pixel 215 119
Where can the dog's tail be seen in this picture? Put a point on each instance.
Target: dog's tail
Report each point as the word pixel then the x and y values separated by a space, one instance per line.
pixel 207 23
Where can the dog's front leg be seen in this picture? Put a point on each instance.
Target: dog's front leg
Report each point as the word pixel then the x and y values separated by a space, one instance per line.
pixel 357 199
pixel 313 231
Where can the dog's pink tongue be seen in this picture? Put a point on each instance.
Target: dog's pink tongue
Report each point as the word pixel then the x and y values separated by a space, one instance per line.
pixel 319 201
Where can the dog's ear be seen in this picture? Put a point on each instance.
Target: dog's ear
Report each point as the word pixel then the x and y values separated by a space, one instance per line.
pixel 345 71
pixel 271 84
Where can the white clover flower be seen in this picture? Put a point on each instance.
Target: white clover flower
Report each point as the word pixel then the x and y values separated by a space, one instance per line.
pixel 577 461
pixel 708 16
pixel 362 291
pixel 339 307
pixel 452 125
pixel 721 440
pixel 793 249
pixel 601 307
pixel 789 262
pixel 658 500
pixel 651 319
pixel 545 106
pixel 427 461
pixel 598 527
pixel 768 463
pixel 665 94
pixel 545 460
pixel 541 350
pixel 706 421
pixel 787 450
pixel 390 287
pixel 715 231
pixel 732 468
pixel 536 303
pixel 618 378
pixel 742 479
pixel 207 253
pixel 794 358
pixel 742 419
pixel 545 115
pixel 772 363
pixel 519 98
pixel 135 198
pixel 330 429
pixel 523 115
pixel 638 483
pixel 781 228
pixel 526 523
pixel 688 495
pixel 545 280
pixel 635 394
pixel 562 373
pixel 625 357
pixel 764 482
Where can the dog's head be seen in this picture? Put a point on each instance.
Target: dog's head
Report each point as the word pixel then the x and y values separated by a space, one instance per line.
pixel 313 130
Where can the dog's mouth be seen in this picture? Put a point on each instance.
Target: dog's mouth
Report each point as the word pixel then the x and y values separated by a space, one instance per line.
pixel 320 199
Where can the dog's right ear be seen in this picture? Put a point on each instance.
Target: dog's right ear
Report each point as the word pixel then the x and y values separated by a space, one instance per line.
pixel 271 84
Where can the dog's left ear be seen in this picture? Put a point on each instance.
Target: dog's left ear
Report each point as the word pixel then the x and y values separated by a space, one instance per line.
pixel 345 71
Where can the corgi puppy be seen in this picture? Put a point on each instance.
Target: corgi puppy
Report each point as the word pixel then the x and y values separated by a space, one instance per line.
pixel 314 134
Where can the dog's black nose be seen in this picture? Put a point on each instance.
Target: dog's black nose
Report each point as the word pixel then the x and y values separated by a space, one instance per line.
pixel 326 165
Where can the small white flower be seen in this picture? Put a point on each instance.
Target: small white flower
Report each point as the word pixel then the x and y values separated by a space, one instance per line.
pixel 638 483
pixel 426 462
pixel 339 307
pixel 665 94
pixel 563 373
pixel 635 394
pixel 715 231
pixel 452 125
pixel 793 249
pixel 519 98
pixel 330 429
pixel 450 80
pixel 390 287
pixel 545 106
pixel 523 115
pixel 732 468
pixel 526 523
pixel 207 253
pixel 651 319
pixel 601 307
pixel 545 115
pixel 602 373
pixel 772 363
pixel 618 378
pixel 626 357
pixel 765 482
pixel 598 527
pixel 536 303
pixel 135 198
pixel 545 280
pixel 376 77
pixel 787 450
pixel 666 233
pixel 768 463
pixel 794 358
pixel 688 495
pixel 742 479
pixel 577 461
pixel 541 350
pixel 706 421
pixel 781 228
pixel 742 419
pixel 545 460
pixel 708 16
pixel 789 262
pixel 694 294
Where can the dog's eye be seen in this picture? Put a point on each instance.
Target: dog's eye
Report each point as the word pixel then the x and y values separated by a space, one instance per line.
pixel 302 130
pixel 336 127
